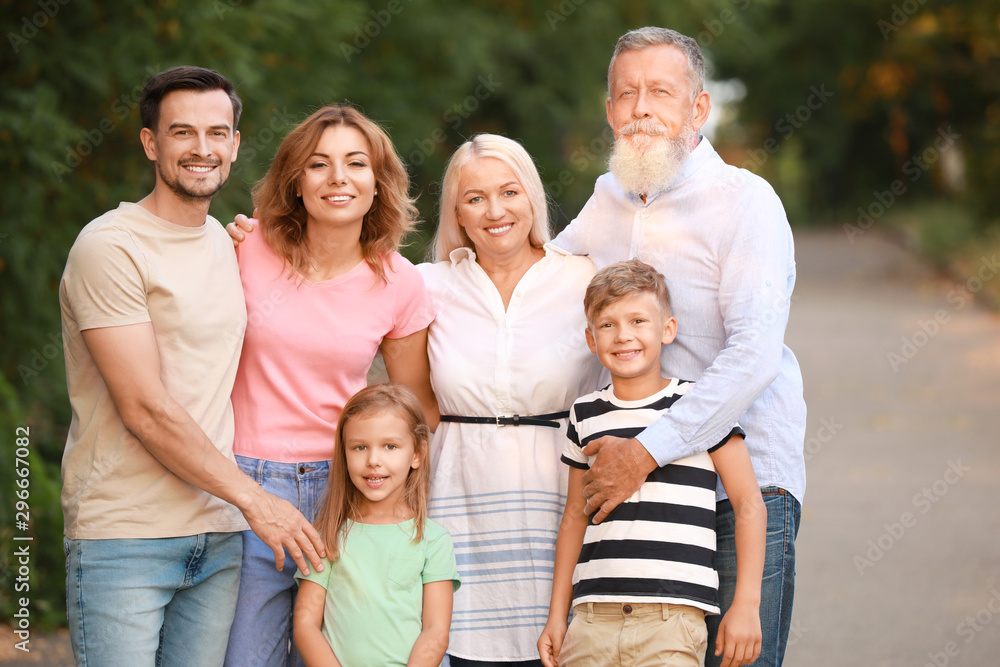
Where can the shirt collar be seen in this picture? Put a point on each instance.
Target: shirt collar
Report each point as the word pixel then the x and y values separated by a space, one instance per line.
pixel 465 253
pixel 701 154
pixel 458 254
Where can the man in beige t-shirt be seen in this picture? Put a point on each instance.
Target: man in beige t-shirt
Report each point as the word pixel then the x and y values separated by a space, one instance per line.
pixel 153 319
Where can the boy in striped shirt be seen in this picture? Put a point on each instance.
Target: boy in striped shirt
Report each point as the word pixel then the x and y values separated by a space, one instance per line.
pixel 641 581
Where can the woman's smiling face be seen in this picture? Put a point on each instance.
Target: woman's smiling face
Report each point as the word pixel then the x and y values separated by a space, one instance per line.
pixel 338 182
pixel 494 209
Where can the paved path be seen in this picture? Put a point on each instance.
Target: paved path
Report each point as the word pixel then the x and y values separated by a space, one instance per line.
pixel 899 550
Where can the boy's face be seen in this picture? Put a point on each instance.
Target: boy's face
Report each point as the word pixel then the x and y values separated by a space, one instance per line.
pixel 627 336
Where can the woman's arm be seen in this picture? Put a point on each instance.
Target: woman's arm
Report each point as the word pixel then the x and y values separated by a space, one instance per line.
pixel 431 645
pixel 308 624
pixel 406 363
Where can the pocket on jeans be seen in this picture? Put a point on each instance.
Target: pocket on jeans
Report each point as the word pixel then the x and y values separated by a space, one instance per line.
pixel 248 466
pixel 404 570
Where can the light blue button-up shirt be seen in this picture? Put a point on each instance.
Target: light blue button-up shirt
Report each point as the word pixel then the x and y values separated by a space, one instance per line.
pixel 720 237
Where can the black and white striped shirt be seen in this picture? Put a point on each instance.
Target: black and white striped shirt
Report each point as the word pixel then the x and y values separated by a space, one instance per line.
pixel 659 545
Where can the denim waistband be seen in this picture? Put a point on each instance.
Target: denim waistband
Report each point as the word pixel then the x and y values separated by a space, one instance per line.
pixel 259 468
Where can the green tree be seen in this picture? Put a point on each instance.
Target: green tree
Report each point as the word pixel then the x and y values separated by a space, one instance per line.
pixel 434 73
pixel 899 81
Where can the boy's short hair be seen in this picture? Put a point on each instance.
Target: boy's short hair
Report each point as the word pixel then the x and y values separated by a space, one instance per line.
pixel 624 279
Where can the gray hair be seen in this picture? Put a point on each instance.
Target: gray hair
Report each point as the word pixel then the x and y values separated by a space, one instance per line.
pixel 640 38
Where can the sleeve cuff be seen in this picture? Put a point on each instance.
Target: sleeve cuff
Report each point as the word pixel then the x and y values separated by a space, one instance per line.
pixel 661 441
pixel 736 431
pixel 574 464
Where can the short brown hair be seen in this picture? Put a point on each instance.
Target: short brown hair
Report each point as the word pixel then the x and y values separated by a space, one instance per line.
pixel 185 77
pixel 624 279
pixel 342 497
pixel 283 215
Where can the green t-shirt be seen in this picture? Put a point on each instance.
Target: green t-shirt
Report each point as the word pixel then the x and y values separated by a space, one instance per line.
pixel 374 592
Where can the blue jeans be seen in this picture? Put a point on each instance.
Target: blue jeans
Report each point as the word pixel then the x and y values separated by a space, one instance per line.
pixel 262 629
pixel 778 585
pixel 166 601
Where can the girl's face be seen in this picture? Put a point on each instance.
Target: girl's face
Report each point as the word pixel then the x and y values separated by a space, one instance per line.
pixel 338 182
pixel 380 453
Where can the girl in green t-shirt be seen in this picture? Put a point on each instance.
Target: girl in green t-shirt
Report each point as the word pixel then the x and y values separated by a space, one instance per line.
pixel 384 596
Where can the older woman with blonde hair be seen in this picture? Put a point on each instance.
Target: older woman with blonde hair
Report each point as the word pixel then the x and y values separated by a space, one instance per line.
pixel 325 291
pixel 508 357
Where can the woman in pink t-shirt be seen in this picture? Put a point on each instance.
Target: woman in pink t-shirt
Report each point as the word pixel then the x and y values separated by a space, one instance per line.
pixel 325 291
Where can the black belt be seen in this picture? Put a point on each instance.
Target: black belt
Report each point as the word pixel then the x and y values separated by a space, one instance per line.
pixel 516 420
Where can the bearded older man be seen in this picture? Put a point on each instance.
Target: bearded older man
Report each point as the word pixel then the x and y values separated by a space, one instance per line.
pixel 720 236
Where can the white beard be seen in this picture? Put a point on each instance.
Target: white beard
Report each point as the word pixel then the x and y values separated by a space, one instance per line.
pixel 645 161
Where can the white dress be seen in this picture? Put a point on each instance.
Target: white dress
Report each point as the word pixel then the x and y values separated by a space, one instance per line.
pixel 500 491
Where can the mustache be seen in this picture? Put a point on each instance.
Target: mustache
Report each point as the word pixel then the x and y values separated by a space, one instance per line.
pixel 213 163
pixel 642 126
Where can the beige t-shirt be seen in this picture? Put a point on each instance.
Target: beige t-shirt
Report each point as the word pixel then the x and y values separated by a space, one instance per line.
pixel 126 267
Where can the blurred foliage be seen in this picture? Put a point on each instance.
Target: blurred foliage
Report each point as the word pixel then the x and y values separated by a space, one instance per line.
pixel 898 82
pixel 951 238
pixel 435 73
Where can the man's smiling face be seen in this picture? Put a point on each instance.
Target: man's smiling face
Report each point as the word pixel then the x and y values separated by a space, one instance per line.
pixel 194 143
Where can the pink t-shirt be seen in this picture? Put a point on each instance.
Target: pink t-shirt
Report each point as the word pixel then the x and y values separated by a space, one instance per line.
pixel 309 346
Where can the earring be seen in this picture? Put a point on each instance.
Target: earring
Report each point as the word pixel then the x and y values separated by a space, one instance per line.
pixel 376 192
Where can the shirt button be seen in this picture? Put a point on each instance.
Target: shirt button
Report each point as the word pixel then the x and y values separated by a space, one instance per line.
pixel 627 609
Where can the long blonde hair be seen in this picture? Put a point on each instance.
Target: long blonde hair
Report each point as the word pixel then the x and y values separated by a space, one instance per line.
pixel 343 499
pixel 450 235
pixel 283 215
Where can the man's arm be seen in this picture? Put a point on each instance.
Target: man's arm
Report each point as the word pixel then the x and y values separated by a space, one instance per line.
pixel 129 363
pixel 754 295
pixel 756 278
pixel 574 237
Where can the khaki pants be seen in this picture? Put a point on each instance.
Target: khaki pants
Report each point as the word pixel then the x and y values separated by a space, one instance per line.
pixel 634 635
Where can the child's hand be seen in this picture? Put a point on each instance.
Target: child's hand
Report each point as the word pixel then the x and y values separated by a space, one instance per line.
pixel 550 643
pixel 739 635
